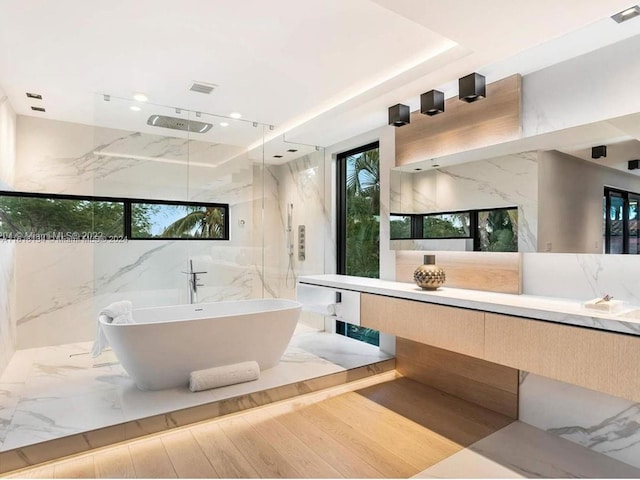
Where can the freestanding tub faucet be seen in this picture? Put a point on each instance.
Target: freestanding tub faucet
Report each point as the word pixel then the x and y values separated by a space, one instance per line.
pixel 193 283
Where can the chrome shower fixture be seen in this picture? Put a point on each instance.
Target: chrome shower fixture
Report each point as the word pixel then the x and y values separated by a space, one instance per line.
pixel 179 124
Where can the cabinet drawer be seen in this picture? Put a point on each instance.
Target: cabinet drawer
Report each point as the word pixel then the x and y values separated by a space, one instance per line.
pixel 455 329
pixel 598 360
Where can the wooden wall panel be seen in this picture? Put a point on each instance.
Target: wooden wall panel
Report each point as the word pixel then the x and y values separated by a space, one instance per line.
pixel 456 329
pixel 487 384
pixel 464 126
pixel 488 271
pixel 603 361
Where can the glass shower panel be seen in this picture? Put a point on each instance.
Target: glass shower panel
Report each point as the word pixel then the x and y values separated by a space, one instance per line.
pixel 141 153
pixel 223 170
pixel 295 216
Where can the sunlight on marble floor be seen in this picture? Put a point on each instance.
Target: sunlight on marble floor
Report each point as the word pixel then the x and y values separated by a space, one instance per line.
pixel 52 392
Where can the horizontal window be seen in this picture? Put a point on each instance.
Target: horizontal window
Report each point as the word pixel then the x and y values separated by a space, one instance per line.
pixel 447 225
pixel 492 230
pixel 400 226
pixel 27 215
pixel 170 221
pixel 69 217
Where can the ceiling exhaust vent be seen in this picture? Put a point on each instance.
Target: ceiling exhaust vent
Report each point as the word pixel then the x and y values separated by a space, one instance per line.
pixel 202 87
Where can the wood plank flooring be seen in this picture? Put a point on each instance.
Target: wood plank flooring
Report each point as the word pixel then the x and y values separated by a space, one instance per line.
pixel 392 429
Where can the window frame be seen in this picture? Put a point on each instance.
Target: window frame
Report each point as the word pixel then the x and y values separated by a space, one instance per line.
pixel 417 224
pixel 341 215
pixel 341 203
pixel 127 203
pixel 626 196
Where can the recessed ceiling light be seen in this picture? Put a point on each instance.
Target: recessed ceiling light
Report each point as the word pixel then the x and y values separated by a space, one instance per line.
pixel 277 156
pixel 224 124
pixel 292 150
pixel 235 115
pixel 140 97
pixel 37 96
pixel 38 109
pixel 418 169
pixel 627 14
pixel 435 165
pixel 135 108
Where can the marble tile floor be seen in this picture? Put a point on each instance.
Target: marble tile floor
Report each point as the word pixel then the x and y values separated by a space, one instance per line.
pixel 522 451
pixel 53 392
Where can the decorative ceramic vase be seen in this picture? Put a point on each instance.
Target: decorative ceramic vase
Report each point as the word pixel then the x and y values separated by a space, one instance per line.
pixel 429 276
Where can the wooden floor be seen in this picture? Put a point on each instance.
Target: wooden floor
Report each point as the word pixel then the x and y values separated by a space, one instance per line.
pixel 392 429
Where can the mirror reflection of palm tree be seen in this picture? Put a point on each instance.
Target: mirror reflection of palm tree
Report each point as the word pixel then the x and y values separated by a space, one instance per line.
pixel 199 223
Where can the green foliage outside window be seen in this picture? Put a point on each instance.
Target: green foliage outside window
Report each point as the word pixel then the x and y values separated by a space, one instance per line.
pixel 498 230
pixel 446 225
pixel 55 217
pixel 400 226
pixel 363 214
pixel 40 216
pixel 177 221
pixel 363 226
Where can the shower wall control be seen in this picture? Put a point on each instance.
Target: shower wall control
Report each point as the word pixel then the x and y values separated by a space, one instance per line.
pixel 301 242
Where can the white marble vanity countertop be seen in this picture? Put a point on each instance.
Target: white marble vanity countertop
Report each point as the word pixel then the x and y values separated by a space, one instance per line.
pixel 557 310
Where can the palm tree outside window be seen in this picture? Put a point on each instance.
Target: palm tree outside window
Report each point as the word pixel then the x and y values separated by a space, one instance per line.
pixel 358 205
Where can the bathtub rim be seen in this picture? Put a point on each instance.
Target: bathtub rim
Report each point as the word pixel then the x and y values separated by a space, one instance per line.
pixel 292 304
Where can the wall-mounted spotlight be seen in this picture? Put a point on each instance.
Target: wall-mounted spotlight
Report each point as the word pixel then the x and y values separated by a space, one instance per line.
pixel 472 87
pixel 399 115
pixel 432 102
pixel 599 151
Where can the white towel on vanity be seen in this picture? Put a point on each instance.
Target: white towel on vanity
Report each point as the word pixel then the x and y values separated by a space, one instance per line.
pixel 117 312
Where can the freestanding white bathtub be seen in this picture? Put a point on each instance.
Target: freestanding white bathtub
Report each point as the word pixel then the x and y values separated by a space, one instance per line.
pixel 165 344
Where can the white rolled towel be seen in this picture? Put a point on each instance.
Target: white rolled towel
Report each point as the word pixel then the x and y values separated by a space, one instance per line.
pixel 222 376
pixel 117 312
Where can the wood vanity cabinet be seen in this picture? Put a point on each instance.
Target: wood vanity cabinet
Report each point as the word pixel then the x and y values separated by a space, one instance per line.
pixel 604 361
pixel 456 329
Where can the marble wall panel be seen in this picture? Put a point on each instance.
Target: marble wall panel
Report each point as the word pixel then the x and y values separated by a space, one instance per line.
pixel 7 318
pixel 582 276
pixel 8 125
pixel 63 286
pixel 299 183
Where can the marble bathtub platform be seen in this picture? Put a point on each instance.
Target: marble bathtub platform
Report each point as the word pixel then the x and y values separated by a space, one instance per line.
pixel 55 402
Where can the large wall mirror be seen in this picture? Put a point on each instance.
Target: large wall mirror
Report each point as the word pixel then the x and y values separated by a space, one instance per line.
pixel 539 194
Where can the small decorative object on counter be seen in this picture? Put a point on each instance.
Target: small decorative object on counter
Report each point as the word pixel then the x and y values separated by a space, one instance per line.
pixel 605 303
pixel 429 276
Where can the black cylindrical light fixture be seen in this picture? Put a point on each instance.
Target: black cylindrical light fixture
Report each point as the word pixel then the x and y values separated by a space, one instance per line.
pixel 432 102
pixel 472 87
pixel 399 115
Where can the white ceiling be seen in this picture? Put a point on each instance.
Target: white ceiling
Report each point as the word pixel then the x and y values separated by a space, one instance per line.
pixel 320 70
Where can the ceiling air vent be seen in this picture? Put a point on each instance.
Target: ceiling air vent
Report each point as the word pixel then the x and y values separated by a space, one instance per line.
pixel 202 87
